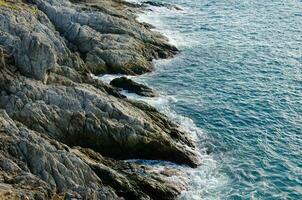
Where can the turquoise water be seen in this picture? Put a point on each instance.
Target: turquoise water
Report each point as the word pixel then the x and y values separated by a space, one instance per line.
pixel 239 79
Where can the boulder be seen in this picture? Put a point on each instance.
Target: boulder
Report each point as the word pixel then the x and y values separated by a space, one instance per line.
pixel 28 35
pixel 133 87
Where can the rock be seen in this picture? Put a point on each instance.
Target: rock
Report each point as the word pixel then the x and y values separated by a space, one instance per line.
pixel 82 115
pixel 159 4
pixel 108 42
pixel 39 168
pixel 121 44
pixel 64 134
pixel 133 87
pixel 133 181
pixel 29 36
pixel 95 63
pixel 42 168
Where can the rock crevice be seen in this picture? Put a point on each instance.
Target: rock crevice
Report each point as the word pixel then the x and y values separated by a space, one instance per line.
pixel 66 135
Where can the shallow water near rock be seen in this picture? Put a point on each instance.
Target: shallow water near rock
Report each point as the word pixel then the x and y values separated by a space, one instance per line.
pixel 237 85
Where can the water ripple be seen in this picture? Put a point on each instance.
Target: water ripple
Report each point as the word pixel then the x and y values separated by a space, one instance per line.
pixel 239 78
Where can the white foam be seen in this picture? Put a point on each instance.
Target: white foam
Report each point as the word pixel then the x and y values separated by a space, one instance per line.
pixel 205 180
pixel 157 16
pixel 134 1
pixel 153 17
pixel 107 78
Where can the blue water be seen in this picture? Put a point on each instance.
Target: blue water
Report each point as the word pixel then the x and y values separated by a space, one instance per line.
pixel 239 78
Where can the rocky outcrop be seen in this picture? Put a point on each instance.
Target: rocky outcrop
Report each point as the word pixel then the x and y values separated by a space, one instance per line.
pixel 108 42
pixel 133 87
pixel 80 114
pixel 65 135
pixel 29 36
pixel 33 166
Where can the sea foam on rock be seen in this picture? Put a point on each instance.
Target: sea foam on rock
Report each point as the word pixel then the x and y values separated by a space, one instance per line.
pixel 57 122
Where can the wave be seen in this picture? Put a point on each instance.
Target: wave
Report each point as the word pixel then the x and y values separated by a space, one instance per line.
pixel 203 180
pixel 159 16
pixel 206 179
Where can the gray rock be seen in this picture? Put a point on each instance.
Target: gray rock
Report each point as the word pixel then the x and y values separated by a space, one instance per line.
pixel 49 168
pixel 53 110
pixel 108 42
pixel 113 35
pixel 80 114
pixel 38 165
pixel 30 37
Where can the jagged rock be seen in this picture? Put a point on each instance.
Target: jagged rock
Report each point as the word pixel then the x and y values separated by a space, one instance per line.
pixel 80 114
pixel 37 167
pixel 53 110
pixel 30 37
pixel 108 42
pixel 133 181
pixel 131 86
pixel 122 45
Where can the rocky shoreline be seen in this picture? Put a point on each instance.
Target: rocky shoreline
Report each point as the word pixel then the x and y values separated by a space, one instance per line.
pixel 65 135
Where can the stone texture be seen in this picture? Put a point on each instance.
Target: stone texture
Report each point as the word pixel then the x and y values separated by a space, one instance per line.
pixel 80 114
pixel 121 44
pixel 32 39
pixel 63 134
pixel 34 166
pixel 37 167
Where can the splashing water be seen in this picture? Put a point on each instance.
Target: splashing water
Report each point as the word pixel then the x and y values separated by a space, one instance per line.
pixel 237 87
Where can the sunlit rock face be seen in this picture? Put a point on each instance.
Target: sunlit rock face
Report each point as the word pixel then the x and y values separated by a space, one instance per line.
pixel 65 134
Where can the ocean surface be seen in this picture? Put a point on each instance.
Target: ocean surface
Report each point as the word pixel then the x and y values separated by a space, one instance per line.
pixel 236 86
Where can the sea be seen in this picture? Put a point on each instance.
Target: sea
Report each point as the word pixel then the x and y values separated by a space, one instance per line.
pixel 236 87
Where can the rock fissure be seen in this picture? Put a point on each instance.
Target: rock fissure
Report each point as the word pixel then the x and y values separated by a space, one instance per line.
pixel 59 122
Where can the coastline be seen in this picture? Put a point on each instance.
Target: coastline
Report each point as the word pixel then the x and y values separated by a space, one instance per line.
pixel 72 134
pixel 205 181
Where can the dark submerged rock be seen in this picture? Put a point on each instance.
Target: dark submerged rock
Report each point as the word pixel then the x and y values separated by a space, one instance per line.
pixel 133 87
pixel 159 4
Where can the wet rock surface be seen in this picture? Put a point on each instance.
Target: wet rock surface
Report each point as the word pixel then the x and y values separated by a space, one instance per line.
pixel 133 87
pixel 159 4
pixel 65 135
